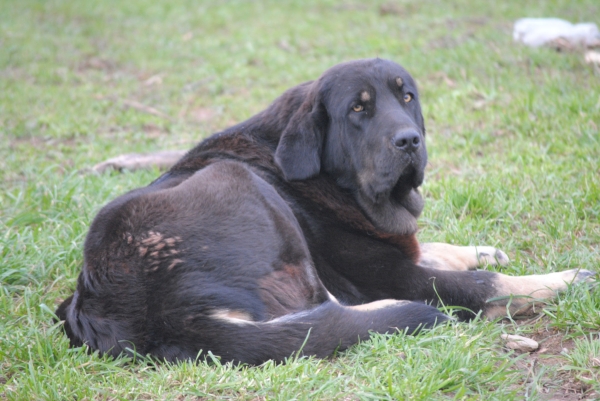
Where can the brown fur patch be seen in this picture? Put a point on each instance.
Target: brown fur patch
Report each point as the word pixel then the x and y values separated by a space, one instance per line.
pixel 128 237
pixel 287 290
pixel 174 263
pixel 399 82
pixel 408 243
pixel 158 250
pixel 152 238
pixel 365 97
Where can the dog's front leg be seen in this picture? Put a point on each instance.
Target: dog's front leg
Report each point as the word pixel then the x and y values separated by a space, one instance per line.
pixel 440 256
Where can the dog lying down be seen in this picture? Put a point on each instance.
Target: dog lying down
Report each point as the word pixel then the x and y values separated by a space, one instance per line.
pixel 297 226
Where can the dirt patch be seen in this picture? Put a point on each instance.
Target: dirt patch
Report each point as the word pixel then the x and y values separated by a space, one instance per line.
pixel 561 385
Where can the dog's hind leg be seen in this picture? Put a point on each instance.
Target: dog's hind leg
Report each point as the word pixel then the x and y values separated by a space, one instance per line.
pixel 320 331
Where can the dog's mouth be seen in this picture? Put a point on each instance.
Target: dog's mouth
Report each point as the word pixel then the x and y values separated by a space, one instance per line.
pixel 411 178
pixel 407 195
pixel 391 186
pixel 400 190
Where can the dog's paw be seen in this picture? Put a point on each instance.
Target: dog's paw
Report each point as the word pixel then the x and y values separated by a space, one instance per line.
pixel 579 275
pixel 488 255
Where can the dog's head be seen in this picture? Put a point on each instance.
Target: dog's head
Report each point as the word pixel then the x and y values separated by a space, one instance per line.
pixel 361 123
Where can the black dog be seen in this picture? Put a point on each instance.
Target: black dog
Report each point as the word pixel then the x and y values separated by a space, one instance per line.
pixel 294 227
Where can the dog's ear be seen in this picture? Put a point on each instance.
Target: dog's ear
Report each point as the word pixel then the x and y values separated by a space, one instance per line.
pixel 299 151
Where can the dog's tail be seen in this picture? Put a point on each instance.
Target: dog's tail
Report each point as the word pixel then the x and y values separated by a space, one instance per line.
pixel 321 331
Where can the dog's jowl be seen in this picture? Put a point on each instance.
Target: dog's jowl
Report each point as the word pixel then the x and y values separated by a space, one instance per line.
pixel 297 226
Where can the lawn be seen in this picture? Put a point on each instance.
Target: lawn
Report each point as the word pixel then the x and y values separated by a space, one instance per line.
pixel 514 148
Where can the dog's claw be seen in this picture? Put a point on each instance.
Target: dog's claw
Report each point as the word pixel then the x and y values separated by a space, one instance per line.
pixel 492 256
pixel 585 275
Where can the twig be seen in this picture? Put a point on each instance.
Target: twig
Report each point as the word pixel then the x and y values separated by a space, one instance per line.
pixel 134 104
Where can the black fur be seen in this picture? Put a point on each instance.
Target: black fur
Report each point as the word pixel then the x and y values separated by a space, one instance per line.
pixel 238 247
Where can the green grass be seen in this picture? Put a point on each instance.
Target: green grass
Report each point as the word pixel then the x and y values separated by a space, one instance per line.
pixel 514 143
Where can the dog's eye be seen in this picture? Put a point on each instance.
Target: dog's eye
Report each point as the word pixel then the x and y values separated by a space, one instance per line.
pixel 358 107
pixel 407 98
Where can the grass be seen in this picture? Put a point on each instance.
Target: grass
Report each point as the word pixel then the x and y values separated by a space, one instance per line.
pixel 514 143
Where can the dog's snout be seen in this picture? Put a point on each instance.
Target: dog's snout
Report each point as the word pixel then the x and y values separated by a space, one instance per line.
pixel 408 141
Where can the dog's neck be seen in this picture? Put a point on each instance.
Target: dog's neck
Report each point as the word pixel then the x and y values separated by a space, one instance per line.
pixel 393 216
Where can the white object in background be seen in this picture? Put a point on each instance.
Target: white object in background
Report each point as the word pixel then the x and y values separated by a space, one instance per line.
pixel 592 57
pixel 536 32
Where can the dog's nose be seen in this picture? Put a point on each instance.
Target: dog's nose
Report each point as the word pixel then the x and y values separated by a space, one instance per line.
pixel 409 141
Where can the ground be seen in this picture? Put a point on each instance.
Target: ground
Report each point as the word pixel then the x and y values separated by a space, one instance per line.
pixel 514 163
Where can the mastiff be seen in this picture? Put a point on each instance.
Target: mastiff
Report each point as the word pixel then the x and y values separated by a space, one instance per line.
pixel 292 231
